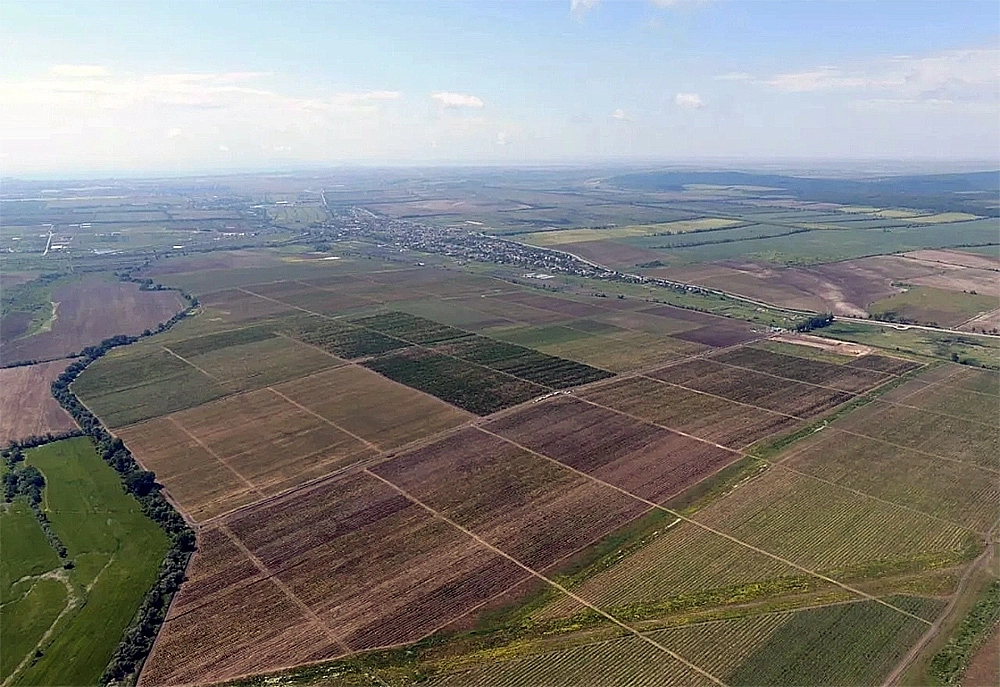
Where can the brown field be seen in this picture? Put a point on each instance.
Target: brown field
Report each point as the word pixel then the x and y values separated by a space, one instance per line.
pixel 365 403
pixel 90 311
pixel 531 508
pixel 234 305
pixel 508 311
pixel 706 417
pixel 227 453
pixel 841 377
pixel 610 253
pixel 984 667
pixel 26 404
pixel 753 388
pixel 561 306
pixel 709 330
pixel 326 588
pixel 641 458
pixel 956 257
pixel 985 323
pixel 883 363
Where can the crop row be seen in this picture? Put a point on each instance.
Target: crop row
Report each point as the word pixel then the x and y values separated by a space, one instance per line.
pixel 802 369
pixel 625 661
pixel 411 328
pixel 342 339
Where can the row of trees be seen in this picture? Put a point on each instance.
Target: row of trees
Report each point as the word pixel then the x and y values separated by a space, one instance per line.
pixel 815 322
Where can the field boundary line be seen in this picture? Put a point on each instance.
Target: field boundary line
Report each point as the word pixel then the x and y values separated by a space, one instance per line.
pixel 326 420
pixel 553 583
pixel 185 360
pixel 215 455
pixel 729 400
pixel 259 564
pixel 915 450
pixel 719 533
pixel 656 424
pixel 932 412
pixel 888 378
pixel 876 498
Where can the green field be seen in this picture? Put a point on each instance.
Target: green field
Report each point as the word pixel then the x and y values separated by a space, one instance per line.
pixel 982 351
pixel 116 552
pixel 936 307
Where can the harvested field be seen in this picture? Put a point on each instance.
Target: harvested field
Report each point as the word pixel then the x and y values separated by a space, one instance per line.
pixel 638 457
pixel 91 310
pixel 706 417
pixel 529 507
pixel 861 643
pixel 625 661
pixel 886 364
pixel 799 369
pixel 314 549
pixel 471 387
pixel 624 352
pixel 963 494
pixel 956 257
pixel 822 527
pixel 365 403
pixel 753 388
pixel 200 484
pixel 610 253
pixel 269 441
pixel 561 306
pixel 27 407
pixel 236 305
pixel 678 568
pixel 262 363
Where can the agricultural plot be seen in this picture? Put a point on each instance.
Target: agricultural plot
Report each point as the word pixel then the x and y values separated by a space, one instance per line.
pixel 267 440
pixel 707 417
pixel 88 311
pixel 681 567
pixel 134 385
pixel 340 338
pixel 708 330
pixel 625 661
pixel 752 388
pixel 561 306
pixel 641 458
pixel 884 364
pixel 800 369
pixel 963 494
pixel 368 405
pixel 823 527
pixel 116 552
pixel 933 306
pixel 201 485
pixel 623 352
pixel 235 305
pixel 529 507
pixel 931 433
pixel 26 404
pixel 327 589
pixel 471 387
pixel 953 399
pixel 861 642
pixel 414 330
pixel 262 363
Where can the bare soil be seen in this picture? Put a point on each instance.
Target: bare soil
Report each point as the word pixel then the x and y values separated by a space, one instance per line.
pixel 984 668
pixel 26 404
pixel 91 311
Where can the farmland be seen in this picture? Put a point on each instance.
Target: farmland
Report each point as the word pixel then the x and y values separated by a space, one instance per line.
pixel 87 311
pixel 412 453
pixel 26 404
pixel 116 552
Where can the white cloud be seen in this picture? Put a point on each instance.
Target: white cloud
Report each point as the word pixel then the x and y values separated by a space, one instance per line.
pixel 619 114
pixel 578 8
pixel 502 138
pixel 689 101
pixel 448 99
pixel 175 132
pixel 969 76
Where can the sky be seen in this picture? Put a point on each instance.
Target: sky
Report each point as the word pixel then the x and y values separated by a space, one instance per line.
pixel 184 86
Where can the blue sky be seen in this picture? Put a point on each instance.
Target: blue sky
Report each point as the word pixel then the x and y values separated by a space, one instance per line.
pixel 200 86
